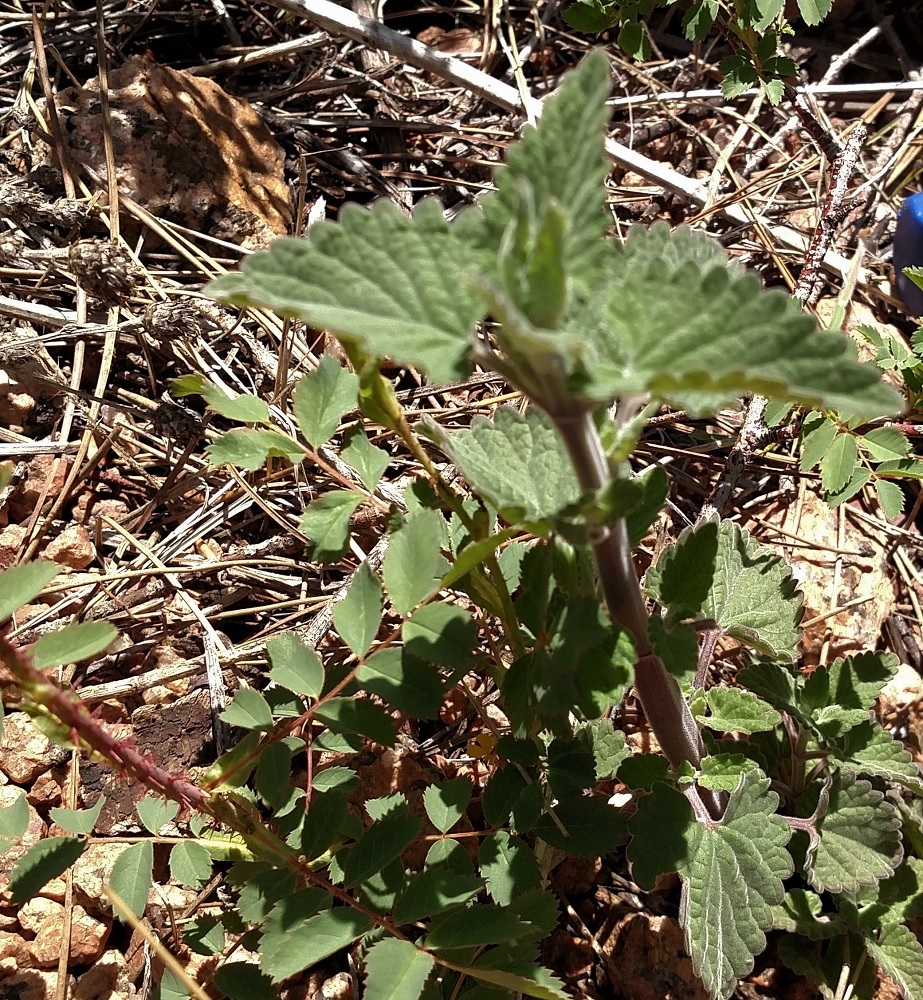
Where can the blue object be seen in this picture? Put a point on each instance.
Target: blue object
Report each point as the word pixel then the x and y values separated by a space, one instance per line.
pixel 908 252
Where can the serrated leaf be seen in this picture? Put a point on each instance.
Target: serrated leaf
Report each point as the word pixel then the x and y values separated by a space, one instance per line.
pixel 441 633
pixel 396 970
pixel 562 160
pixel 243 407
pixel 336 777
pixel 900 954
pixel 358 614
pixel 859 478
pixel 326 523
pixel 445 804
pixel 850 682
pixel 366 458
pixel 295 665
pixel 607 745
pixel 72 644
pixel 679 323
pixel 722 771
pixel 814 11
pixel 591 827
pixel 291 943
pixel 859 840
pixel 132 876
pixel 264 887
pixel 357 715
pixel 414 564
pixel 885 444
pixel 532 981
pixel 14 818
pixel 868 750
pixel 475 925
pixel 77 821
pixel 41 863
pixel 434 891
pixel 839 462
pixel 249 710
pixel 381 843
pixel 731 881
pixel 190 864
pixel 21 584
pixel 271 780
pixel 817 436
pixel 323 822
pixel 321 399
pixel 587 17
pixel 377 277
pixel 243 981
pixel 204 935
pixel 752 595
pixel 402 680
pixel 735 711
pixel 154 812
pixel 249 448
pixel 891 498
pixel 516 462
pixel 801 912
pixel 509 867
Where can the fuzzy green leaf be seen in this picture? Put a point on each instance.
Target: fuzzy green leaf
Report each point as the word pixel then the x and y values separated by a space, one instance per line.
pixel 748 590
pixel 859 842
pixel 250 448
pixel 518 463
pixel 731 881
pixel 679 323
pixel 868 750
pixel 608 746
pixel 20 584
pixel 900 954
pixel 396 970
pixel 326 523
pixel 853 682
pixel 291 942
pixel 358 614
pixel 132 875
pixel 885 444
pixel 295 666
pixel 389 282
pixel 322 398
pixel 732 710
pixel 72 644
pixel 414 564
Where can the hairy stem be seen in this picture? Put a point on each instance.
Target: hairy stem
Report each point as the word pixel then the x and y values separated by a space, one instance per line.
pixel 658 692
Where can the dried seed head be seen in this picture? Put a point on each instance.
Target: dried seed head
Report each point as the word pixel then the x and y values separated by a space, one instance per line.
pixel 175 319
pixel 104 270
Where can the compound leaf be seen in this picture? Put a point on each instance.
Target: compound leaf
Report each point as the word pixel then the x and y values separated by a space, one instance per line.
pixel 433 891
pixel 441 633
pixel 509 867
pixel 326 523
pixel 381 843
pixel 249 448
pixel 414 565
pixel 132 875
pixel 295 665
pixel 46 860
pixel 72 644
pixel 20 584
pixel 402 680
pixel 292 942
pixel 445 804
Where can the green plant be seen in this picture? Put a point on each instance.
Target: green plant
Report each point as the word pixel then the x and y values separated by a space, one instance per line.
pixel 755 29
pixel 779 801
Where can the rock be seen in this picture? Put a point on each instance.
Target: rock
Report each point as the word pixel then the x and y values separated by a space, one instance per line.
pixel 25 753
pixel 87 937
pixel 91 872
pixel 73 548
pixel 14 953
pixel 107 980
pixel 32 985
